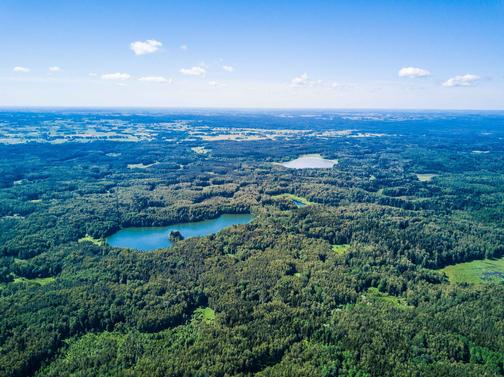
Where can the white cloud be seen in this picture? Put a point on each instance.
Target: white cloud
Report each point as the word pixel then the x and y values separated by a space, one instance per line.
pixel 304 80
pixel 92 74
pixel 338 85
pixel 413 72
pixel 21 69
pixel 228 68
pixel 115 76
pixel 342 87
pixel 462 80
pixel 183 47
pixel 156 79
pixel 300 80
pixel 216 84
pixel 146 47
pixel 194 71
pixel 54 69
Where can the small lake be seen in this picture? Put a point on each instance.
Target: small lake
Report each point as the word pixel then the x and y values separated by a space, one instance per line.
pixel 310 161
pixel 151 238
pixel 298 203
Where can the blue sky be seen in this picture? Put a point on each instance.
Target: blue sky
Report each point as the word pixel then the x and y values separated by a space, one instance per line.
pixel 325 54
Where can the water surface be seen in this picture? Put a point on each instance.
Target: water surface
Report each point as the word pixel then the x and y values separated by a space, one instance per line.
pixel 310 161
pixel 151 238
pixel 298 203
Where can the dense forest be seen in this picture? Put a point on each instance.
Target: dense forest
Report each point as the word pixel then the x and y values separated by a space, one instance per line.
pixel 349 283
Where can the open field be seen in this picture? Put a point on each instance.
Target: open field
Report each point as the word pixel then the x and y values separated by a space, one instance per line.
pixel 95 241
pixel 294 198
pixel 340 249
pixel 206 315
pixel 39 281
pixel 476 272
pixel 373 294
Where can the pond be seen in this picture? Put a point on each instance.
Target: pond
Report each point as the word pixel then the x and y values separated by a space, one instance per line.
pixel 426 177
pixel 151 238
pixel 310 161
pixel 298 203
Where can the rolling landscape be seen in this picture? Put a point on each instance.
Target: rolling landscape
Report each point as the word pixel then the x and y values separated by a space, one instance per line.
pixel 298 270
pixel 180 197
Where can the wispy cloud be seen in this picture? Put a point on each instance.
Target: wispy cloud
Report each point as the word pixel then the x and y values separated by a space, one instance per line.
pixel 342 86
pixel 216 84
pixel 183 47
pixel 54 69
pixel 116 76
pixel 304 80
pixel 462 80
pixel 228 68
pixel 193 71
pixel 20 69
pixel 413 72
pixel 145 47
pixel 156 79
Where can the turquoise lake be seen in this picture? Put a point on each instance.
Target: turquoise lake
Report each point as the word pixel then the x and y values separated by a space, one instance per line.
pixel 297 203
pixel 151 238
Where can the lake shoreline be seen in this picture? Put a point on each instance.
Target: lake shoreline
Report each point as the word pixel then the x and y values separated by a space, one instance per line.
pixel 157 237
pixel 308 161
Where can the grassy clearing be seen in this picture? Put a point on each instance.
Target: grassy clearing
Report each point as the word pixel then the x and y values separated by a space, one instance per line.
pixel 373 294
pixel 96 241
pixel 39 281
pixel 206 315
pixel 20 261
pixel 476 272
pixel 293 197
pixel 426 177
pixel 340 249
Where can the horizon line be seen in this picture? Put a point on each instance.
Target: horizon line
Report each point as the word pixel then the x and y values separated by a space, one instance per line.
pixel 196 108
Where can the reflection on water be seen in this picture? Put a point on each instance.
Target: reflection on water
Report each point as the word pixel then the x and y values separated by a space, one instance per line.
pixel 151 238
pixel 310 161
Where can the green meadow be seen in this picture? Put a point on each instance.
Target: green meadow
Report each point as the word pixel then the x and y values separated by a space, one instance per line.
pixel 373 294
pixel 39 281
pixel 476 272
pixel 206 315
pixel 340 249
pixel 293 197
pixel 95 241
